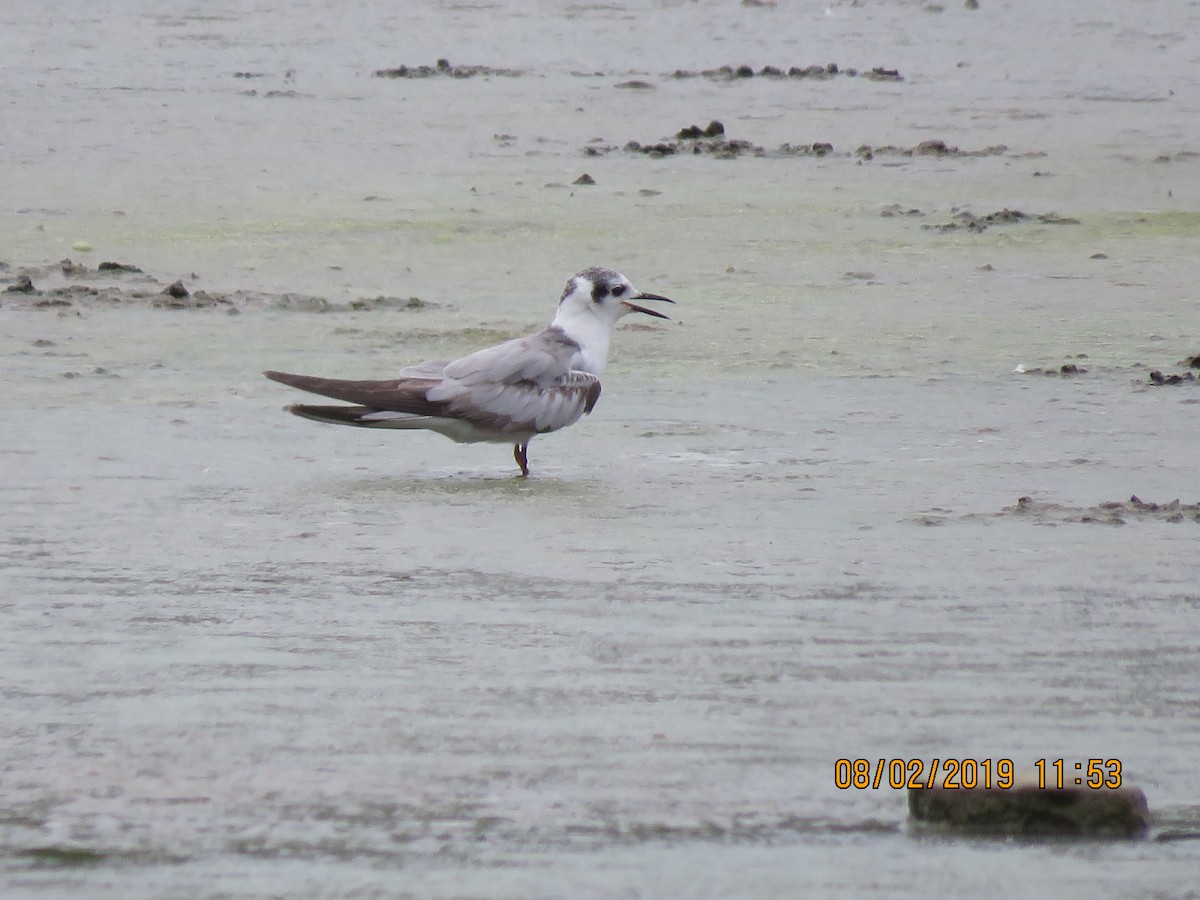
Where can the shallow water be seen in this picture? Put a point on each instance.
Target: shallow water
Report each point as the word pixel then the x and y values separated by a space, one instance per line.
pixel 250 656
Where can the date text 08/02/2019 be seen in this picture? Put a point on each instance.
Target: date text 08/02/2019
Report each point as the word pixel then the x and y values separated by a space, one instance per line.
pixel 969 773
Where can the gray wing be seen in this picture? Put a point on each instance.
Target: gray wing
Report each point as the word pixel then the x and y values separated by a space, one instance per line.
pixel 542 358
pixel 523 405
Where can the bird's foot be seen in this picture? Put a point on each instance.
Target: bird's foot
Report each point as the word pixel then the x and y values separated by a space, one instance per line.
pixel 519 454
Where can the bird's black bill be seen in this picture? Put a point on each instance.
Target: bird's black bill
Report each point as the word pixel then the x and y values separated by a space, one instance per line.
pixel 649 312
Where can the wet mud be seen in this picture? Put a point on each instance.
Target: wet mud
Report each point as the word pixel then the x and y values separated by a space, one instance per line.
pixel 251 652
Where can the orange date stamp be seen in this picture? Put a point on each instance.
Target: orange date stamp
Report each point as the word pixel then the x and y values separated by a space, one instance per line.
pixel 964 773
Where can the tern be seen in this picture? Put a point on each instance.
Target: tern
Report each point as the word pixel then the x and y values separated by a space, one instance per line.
pixel 503 394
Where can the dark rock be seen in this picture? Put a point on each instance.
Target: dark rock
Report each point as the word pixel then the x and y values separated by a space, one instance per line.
pixel 585 178
pixel 1025 810
pixel 117 267
pixel 176 289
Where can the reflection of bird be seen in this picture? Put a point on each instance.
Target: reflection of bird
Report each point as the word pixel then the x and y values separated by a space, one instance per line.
pixel 507 393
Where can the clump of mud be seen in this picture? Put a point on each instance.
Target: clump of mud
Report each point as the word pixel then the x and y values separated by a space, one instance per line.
pixel 1171 378
pixel 711 140
pixel 934 147
pixel 136 289
pixel 832 70
pixel 1066 370
pixel 1045 512
pixel 965 220
pixel 1109 512
pixel 443 69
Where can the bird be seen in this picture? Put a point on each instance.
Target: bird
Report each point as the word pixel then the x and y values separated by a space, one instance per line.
pixel 507 393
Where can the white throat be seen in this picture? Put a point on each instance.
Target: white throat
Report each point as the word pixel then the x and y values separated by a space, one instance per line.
pixel 590 332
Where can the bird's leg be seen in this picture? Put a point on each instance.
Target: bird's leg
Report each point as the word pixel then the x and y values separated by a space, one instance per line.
pixel 519 451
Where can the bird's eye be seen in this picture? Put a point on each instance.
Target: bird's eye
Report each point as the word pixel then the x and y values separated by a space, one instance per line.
pixel 618 290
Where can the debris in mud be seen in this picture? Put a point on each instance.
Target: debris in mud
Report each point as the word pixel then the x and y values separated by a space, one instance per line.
pixel 584 179
pixel 144 291
pixel 1043 512
pixel 1066 370
pixel 634 85
pixel 934 147
pixel 713 129
pixel 692 139
pixel 1180 156
pixel 443 69
pixel 965 220
pixel 712 141
pixel 384 302
pixel 709 140
pixel 832 70
pixel 22 285
pixel 1109 512
pixel 1157 377
pixel 895 209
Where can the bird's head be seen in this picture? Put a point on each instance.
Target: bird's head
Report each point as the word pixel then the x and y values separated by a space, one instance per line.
pixel 604 295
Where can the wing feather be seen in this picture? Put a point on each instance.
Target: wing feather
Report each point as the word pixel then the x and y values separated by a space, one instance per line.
pixel 543 357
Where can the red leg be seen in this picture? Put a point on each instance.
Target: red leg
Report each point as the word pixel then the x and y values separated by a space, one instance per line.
pixel 519 454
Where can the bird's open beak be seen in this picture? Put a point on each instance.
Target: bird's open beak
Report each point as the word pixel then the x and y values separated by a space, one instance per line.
pixel 633 307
